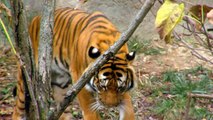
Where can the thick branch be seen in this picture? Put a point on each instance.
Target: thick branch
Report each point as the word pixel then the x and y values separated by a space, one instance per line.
pixel 102 60
pixel 43 81
pixel 24 44
pixel 30 87
pixel 45 43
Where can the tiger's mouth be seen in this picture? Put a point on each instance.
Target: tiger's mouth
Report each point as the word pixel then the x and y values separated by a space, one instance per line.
pixel 105 97
pixel 108 90
pixel 100 105
pixel 110 98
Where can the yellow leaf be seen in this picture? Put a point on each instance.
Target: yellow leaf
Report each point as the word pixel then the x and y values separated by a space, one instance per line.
pixel 168 16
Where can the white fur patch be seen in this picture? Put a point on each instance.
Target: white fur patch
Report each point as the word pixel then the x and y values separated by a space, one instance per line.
pixel 88 88
pixel 123 78
pixel 121 113
pixel 102 76
pixel 91 81
pixel 106 82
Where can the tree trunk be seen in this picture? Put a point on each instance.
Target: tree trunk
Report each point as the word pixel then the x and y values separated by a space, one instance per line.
pixel 43 91
pixel 23 45
pixel 37 89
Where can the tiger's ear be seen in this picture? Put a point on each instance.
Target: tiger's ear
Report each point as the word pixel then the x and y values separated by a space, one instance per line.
pixel 130 56
pixel 94 52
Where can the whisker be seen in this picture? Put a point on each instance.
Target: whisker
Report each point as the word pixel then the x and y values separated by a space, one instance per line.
pixel 94 106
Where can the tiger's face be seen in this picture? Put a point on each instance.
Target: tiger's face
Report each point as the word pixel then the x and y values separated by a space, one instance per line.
pixel 113 79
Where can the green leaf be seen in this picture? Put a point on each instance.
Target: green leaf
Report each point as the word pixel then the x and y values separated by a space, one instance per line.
pixel 168 16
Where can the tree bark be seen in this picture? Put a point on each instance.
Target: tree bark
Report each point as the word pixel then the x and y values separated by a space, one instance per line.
pixel 23 45
pixel 38 88
pixel 43 80
pixel 71 94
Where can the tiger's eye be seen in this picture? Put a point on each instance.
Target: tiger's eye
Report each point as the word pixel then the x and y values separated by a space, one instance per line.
pixel 94 52
pixel 130 56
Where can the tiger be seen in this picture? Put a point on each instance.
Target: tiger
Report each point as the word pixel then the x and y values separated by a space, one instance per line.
pixel 79 38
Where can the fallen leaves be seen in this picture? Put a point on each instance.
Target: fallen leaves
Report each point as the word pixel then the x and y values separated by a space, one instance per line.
pixel 7 77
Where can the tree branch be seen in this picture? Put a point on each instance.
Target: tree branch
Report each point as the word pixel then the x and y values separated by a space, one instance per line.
pixel 29 86
pixel 43 80
pixel 25 53
pixel 194 52
pixel 102 60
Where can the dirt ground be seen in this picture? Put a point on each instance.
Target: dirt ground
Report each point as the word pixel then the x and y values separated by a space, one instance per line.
pixel 171 58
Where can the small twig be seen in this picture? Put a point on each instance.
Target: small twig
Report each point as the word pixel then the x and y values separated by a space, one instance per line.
pixel 192 49
pixel 186 115
pixel 207 39
pixel 188 20
pixel 191 28
pixel 199 56
pixel 192 95
pixel 206 96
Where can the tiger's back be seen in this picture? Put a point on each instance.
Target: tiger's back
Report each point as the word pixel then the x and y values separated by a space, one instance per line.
pixel 79 38
pixel 72 34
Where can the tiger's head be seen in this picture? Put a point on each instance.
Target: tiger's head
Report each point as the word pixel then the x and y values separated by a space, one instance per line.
pixel 114 78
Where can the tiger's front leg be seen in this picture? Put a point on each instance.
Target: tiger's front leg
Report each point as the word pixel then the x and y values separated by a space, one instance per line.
pixel 127 111
pixel 86 99
pixel 61 82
